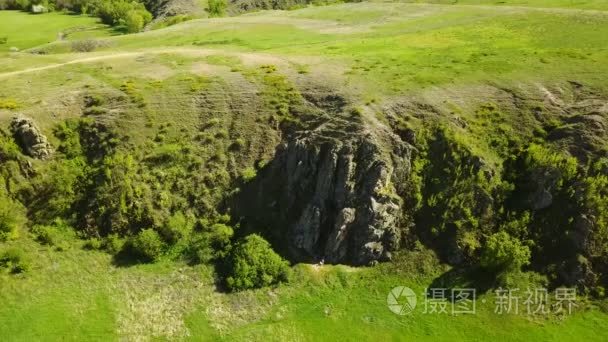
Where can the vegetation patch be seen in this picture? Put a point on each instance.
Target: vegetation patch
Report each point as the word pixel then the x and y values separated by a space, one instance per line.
pixel 253 264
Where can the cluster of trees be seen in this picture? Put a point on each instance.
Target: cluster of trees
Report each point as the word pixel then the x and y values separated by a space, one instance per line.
pixel 140 205
pixel 543 211
pixel 131 15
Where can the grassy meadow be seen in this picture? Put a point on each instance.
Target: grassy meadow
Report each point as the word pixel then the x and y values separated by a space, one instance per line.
pixel 24 30
pixel 76 295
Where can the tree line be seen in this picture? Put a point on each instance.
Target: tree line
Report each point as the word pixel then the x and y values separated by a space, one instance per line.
pixel 129 15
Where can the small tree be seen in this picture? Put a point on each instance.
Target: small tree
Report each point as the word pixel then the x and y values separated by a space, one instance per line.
pixel 253 264
pixel 504 253
pixel 134 22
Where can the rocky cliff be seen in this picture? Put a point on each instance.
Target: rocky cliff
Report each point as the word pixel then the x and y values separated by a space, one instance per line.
pixel 331 195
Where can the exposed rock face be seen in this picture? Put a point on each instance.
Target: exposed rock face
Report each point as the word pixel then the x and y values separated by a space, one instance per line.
pixel 163 9
pixel 33 142
pixel 332 199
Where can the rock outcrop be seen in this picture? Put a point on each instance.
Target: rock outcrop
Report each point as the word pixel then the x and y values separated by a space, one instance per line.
pixel 30 138
pixel 331 199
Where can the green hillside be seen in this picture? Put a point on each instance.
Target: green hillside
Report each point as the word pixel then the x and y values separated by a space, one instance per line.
pixel 425 144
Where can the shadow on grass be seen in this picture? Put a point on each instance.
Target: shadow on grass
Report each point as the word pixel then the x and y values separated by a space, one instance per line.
pixel 451 284
pixel 126 258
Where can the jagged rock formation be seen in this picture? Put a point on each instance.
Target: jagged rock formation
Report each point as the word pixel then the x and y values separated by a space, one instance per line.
pixel 331 198
pixel 29 137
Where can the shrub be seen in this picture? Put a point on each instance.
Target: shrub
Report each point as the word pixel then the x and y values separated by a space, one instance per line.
pixel 93 244
pixel 55 189
pixel 504 253
pixel 212 243
pixel 3 40
pixel 134 22
pixel 23 4
pixel 9 150
pixel 113 244
pixel 238 144
pixel 57 234
pixel 15 260
pixel 132 15
pixel 12 217
pixel 95 111
pixel 213 122
pixel 68 132
pixel 85 45
pixel 177 227
pixel 147 245
pixel 248 174
pixel 253 264
pixel 217 8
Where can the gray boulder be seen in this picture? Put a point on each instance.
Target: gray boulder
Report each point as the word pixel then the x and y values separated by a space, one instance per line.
pixel 30 138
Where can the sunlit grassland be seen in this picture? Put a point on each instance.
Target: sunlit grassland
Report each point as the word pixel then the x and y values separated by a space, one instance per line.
pixel 413 46
pixel 24 30
pixel 76 294
pixel 405 47
pixel 571 4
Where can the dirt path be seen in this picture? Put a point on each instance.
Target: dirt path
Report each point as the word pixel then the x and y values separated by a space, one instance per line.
pixel 107 56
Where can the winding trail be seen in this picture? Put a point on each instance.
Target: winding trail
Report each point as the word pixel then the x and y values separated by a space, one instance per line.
pixel 109 56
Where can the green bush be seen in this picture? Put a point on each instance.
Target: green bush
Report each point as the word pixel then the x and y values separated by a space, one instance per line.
pixel 9 150
pixel 253 264
pixel 93 244
pixel 177 227
pixel 68 132
pixel 134 21
pixel 212 243
pixel 132 15
pixel 113 244
pixel 503 253
pixel 147 245
pixel 55 189
pixel 12 216
pixel 217 8
pixel 15 260
pixel 248 174
pixel 58 234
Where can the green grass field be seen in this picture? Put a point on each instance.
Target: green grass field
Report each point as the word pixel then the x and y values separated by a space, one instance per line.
pixel 582 4
pixel 79 295
pixel 447 53
pixel 24 30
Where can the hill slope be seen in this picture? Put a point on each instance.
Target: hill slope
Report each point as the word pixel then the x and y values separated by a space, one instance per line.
pixel 353 133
